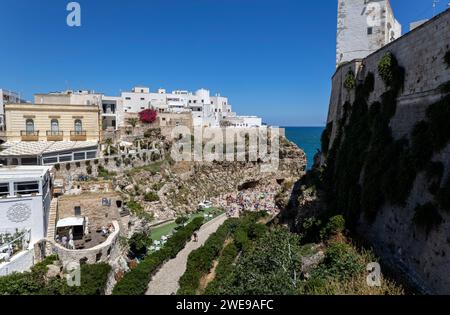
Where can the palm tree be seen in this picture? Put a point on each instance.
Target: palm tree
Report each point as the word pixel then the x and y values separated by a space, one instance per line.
pixel 133 121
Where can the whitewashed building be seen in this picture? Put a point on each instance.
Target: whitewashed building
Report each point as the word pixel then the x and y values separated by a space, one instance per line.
pixel 25 199
pixel 207 110
pixel 363 27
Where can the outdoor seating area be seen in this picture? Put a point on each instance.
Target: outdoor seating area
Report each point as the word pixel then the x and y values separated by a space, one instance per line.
pixel 76 234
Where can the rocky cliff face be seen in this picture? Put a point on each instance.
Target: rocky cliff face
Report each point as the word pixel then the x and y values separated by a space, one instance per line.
pixel 184 185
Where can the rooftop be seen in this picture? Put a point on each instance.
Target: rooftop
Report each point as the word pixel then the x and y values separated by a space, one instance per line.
pixel 43 147
pixel 23 172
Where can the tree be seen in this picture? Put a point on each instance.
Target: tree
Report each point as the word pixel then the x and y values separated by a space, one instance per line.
pixel 133 121
pixel 148 116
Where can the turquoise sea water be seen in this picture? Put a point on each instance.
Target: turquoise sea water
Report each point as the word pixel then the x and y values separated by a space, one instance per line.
pixel 307 138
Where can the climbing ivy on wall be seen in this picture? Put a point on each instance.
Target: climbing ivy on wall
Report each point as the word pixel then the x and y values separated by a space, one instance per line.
pixel 366 167
pixel 350 81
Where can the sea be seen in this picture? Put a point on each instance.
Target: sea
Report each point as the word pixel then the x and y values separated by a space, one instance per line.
pixel 306 138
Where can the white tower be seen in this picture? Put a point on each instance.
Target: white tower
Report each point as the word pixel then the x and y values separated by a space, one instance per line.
pixel 363 27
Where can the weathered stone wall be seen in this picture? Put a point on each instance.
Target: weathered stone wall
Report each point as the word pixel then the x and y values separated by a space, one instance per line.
pixel 91 206
pixel 425 259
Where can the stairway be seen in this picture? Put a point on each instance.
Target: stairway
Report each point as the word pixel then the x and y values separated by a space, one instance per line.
pixel 52 217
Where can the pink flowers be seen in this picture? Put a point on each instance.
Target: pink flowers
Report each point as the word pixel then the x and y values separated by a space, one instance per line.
pixel 148 116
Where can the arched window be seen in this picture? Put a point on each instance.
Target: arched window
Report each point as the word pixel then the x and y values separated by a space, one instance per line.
pixel 78 126
pixel 54 126
pixel 29 126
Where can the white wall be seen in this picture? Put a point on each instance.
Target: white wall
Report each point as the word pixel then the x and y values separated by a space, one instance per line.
pixel 29 215
pixel 21 262
pixel 353 40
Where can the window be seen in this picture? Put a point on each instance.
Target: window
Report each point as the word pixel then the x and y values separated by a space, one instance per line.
pixel 26 188
pixel 54 125
pixel 29 126
pixel 4 189
pixel 369 30
pixel 128 98
pixel 77 211
pixel 78 126
pixel 79 156
pixel 142 99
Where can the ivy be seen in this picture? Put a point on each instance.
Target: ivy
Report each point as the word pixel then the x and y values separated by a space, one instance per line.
pixel 350 81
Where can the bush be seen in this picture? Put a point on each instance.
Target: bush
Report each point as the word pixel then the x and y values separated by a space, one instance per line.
pixel 201 260
pixel 350 81
pixel 181 220
pixel 78 164
pixel 138 244
pixel 151 196
pixel 68 166
pixel 89 170
pixel 335 226
pixel 93 281
pixel 427 217
pixel 57 167
pixel 136 281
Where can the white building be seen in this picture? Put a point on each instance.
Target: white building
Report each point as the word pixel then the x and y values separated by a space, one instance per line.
pixel 207 110
pixel 363 27
pixel 7 97
pixel 25 197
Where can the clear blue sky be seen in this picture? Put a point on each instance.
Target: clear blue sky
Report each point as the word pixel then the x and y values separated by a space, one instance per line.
pixel 272 58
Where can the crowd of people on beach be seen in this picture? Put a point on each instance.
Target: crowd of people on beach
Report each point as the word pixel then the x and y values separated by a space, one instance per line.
pixel 252 199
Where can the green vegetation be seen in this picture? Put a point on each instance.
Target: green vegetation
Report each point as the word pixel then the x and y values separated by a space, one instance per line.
pixel 200 262
pixel 153 168
pixel 151 196
pixel 350 81
pixel 103 172
pixel 366 167
pixel 138 210
pixel 93 281
pixel 136 281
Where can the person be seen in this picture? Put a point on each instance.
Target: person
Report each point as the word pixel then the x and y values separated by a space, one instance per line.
pixel 71 244
pixel 195 237
pixel 64 241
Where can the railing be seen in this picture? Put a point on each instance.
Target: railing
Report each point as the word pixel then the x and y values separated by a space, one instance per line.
pixel 55 133
pixel 78 133
pixel 12 242
pixel 29 133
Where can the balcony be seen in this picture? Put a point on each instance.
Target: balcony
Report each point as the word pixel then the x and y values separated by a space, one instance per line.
pixel 27 135
pixel 55 135
pixel 78 135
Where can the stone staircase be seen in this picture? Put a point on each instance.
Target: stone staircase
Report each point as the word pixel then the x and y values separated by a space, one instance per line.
pixel 52 217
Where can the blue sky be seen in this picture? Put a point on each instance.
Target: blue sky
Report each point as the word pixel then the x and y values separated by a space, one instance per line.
pixel 271 58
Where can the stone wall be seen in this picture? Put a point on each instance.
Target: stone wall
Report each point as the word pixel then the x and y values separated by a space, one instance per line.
pixel 92 207
pixel 106 252
pixel 424 259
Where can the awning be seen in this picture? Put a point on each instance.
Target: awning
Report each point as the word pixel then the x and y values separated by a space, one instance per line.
pixel 67 222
